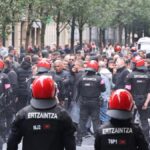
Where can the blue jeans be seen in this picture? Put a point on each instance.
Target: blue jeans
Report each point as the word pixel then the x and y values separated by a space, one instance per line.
pixel 103 109
pixel 75 112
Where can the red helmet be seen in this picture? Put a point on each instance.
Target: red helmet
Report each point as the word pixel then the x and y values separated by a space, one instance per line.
pixel 43 92
pixel 2 64
pixel 43 66
pixel 133 49
pixel 136 58
pixel 93 64
pixel 120 104
pixel 117 48
pixel 140 64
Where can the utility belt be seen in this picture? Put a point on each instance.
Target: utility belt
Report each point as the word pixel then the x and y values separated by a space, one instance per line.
pixel 139 96
pixel 89 99
pixel 139 99
pixel 5 103
pixel 2 100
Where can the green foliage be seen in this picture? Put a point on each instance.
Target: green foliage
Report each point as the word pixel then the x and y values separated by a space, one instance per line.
pixel 100 13
pixel 8 16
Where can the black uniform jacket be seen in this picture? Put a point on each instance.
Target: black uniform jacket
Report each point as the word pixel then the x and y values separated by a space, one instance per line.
pixel 50 129
pixel 120 135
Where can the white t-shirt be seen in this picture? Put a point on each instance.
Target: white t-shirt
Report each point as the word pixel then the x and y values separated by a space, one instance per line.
pixel 3 52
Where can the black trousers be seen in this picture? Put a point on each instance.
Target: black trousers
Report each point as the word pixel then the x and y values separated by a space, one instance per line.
pixel 144 115
pixel 88 109
pixel 22 102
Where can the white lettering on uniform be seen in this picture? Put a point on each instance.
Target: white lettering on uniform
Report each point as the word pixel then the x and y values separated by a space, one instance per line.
pixel 141 76
pixel 117 131
pixel 89 79
pixel 87 84
pixel 44 115
pixel 112 141
pixel 37 127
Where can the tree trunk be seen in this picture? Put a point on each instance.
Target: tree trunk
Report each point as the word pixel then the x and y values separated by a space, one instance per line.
pixel 72 33
pixel 120 33
pixel 103 37
pixel 32 34
pixel 57 39
pixel 43 35
pixel 133 31
pixel 27 36
pixel 90 34
pixel 38 37
pixel 4 34
pixel 21 37
pixel 81 36
pixel 129 32
pixel 28 26
pixel 100 38
pixel 126 35
pixel 13 35
pixel 58 30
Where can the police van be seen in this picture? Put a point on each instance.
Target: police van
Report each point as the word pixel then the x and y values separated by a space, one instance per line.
pixel 144 44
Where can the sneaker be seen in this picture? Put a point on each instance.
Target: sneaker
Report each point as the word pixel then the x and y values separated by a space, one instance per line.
pixel 86 135
pixel 89 131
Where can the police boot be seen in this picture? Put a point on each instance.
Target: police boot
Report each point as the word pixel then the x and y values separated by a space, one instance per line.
pixel 78 142
pixel 1 143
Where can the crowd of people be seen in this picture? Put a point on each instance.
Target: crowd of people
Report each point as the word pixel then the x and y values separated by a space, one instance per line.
pixel 84 82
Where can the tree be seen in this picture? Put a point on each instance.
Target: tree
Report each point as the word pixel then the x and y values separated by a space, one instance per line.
pixel 60 16
pixel 8 16
pixel 81 11
pixel 36 11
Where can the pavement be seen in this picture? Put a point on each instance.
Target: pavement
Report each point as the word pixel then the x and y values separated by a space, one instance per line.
pixel 87 144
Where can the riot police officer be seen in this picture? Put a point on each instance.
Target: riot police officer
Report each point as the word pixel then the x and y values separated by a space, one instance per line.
pixel 43 124
pixel 120 133
pixel 42 68
pixel 90 87
pixel 138 82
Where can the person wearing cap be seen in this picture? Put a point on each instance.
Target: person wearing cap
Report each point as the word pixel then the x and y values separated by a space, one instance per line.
pixel 42 125
pixel 120 133
pixel 42 67
pixel 138 83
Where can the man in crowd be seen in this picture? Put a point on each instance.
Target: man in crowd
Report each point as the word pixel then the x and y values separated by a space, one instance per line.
pixel 64 76
pixel 121 74
pixel 24 73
